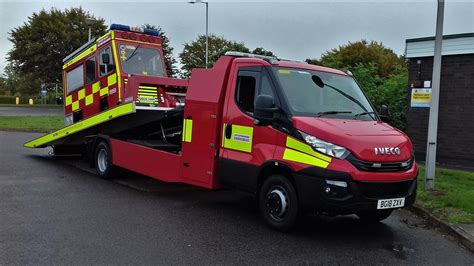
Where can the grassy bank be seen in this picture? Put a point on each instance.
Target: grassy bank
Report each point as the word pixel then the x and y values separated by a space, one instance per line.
pixel 32 123
pixel 453 197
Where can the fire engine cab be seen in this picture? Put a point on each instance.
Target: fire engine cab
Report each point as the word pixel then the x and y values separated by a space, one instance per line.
pixel 299 137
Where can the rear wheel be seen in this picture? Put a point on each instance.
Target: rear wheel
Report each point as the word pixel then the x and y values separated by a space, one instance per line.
pixel 278 203
pixel 374 216
pixel 103 160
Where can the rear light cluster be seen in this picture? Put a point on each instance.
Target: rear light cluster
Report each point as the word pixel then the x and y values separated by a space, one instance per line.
pixel 138 37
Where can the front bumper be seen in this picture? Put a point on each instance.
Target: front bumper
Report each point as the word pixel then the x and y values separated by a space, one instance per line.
pixel 315 194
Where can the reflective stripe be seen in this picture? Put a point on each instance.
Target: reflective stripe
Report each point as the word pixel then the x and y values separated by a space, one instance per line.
pixel 68 100
pixel 104 91
pixel 300 146
pixel 89 99
pixel 241 138
pixel 96 87
pixel 147 87
pixel 81 94
pixel 86 53
pixel 296 156
pixel 187 133
pixel 189 130
pixel 112 79
pixel 116 60
pixel 81 125
pixel 75 105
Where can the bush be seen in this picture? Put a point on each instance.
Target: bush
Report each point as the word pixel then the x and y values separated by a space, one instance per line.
pixel 391 91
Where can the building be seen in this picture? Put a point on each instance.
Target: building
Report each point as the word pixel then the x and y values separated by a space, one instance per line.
pixel 456 104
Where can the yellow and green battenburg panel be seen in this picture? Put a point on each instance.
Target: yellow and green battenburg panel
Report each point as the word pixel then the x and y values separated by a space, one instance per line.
pixel 81 125
pixel 240 140
pixel 187 130
pixel 297 151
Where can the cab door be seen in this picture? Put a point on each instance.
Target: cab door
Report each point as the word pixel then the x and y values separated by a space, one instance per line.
pixel 245 146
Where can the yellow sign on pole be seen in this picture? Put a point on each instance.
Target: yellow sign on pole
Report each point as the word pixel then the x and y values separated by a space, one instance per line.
pixel 421 97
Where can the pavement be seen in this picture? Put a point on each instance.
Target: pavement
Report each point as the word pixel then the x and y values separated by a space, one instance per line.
pixel 56 211
pixel 29 111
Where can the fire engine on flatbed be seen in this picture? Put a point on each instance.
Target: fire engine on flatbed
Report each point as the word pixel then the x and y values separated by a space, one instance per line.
pixel 299 137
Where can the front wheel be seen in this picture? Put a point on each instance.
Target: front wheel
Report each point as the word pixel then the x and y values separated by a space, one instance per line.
pixel 278 203
pixel 374 216
pixel 103 160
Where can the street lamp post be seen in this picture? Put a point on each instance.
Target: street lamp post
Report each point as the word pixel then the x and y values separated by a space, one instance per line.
pixel 207 26
pixel 89 22
pixel 433 119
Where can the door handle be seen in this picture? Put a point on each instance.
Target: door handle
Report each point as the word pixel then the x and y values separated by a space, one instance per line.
pixel 228 131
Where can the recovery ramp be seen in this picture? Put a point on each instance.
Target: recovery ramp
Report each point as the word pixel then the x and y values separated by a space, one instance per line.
pixel 118 119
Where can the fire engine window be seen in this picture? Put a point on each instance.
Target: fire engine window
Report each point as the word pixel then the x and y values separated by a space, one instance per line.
pixel 246 93
pixel 90 70
pixel 75 79
pixel 106 68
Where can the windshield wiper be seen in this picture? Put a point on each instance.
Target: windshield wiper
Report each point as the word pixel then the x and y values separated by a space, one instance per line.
pixel 133 53
pixel 319 82
pixel 363 113
pixel 332 113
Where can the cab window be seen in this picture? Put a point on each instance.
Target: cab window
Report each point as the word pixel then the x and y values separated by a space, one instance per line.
pixel 246 85
pixel 90 70
pixel 250 84
pixel 75 79
pixel 106 68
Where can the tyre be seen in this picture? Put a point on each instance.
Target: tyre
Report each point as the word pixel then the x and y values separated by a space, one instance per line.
pixel 374 216
pixel 278 203
pixel 103 160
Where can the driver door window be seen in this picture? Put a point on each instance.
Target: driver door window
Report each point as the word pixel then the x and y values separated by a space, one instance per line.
pixel 250 84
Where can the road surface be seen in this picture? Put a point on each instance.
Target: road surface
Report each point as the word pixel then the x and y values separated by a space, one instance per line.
pixel 29 111
pixel 57 212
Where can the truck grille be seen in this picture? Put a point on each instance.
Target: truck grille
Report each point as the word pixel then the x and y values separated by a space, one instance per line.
pixel 386 190
pixel 379 166
pixel 147 95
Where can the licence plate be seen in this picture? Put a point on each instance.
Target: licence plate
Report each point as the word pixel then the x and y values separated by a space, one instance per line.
pixel 390 203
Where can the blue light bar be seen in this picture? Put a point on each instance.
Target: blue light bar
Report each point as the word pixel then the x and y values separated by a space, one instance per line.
pixel 134 29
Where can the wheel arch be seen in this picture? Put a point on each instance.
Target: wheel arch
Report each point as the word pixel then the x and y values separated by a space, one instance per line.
pixel 274 167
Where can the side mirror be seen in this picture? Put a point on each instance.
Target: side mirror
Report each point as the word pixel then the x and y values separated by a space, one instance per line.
pixel 264 109
pixel 106 58
pixel 384 114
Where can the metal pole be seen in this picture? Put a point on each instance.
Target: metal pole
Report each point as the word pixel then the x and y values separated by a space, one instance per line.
pixel 435 83
pixel 207 34
pixel 90 33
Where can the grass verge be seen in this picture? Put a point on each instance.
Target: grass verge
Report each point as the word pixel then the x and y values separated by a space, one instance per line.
pixel 32 123
pixel 453 197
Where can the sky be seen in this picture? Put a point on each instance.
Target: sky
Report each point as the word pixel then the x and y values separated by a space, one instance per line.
pixel 292 30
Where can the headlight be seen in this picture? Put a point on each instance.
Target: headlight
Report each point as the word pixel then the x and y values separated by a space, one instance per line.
pixel 326 147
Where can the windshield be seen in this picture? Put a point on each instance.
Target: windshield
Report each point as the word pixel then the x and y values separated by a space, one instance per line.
pixel 322 94
pixel 140 60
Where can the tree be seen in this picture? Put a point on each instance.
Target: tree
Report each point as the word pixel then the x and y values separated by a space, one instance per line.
pixel 194 53
pixel 40 44
pixel 361 52
pixel 16 83
pixel 381 73
pixel 167 50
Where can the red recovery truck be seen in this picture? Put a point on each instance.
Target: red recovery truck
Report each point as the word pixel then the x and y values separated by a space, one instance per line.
pixel 299 137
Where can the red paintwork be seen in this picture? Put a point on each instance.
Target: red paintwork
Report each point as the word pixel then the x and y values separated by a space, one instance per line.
pixel 147 161
pixel 210 103
pixel 360 137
